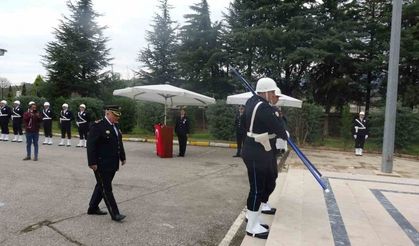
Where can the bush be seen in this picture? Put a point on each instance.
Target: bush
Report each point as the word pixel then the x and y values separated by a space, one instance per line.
pixel 149 114
pixel 24 101
pixel 305 124
pixel 407 132
pixel 93 105
pixel 128 109
pixel 221 120
pixel 346 124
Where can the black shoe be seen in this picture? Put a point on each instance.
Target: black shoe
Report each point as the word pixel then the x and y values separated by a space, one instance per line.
pixel 35 159
pixel 96 212
pixel 263 235
pixel 26 158
pixel 118 217
pixel 272 211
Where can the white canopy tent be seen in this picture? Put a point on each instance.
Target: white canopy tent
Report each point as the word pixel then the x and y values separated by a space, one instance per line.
pixel 170 96
pixel 284 100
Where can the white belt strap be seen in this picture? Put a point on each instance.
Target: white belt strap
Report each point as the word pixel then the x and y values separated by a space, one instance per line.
pixel 262 138
pixel 253 116
pixel 82 120
pixel 46 117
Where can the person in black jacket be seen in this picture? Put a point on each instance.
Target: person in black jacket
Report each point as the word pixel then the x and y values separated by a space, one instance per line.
pixel 4 120
pixel 360 133
pixel 66 116
pixel 17 120
pixel 239 125
pixel 262 124
pixel 105 151
pixel 182 131
pixel 47 123
pixel 83 122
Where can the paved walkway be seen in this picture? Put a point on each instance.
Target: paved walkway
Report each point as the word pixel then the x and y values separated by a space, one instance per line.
pixel 361 209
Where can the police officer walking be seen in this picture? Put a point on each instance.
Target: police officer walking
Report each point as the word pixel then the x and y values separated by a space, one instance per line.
pixel 66 116
pixel 82 121
pixel 182 131
pixel 47 123
pixel 239 125
pixel 4 120
pixel 261 124
pixel 105 151
pixel 17 119
pixel 360 133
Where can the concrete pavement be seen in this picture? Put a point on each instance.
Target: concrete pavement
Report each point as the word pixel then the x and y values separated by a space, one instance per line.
pixel 361 209
pixel 177 201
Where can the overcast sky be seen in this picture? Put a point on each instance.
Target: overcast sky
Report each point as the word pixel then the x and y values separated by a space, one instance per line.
pixel 26 26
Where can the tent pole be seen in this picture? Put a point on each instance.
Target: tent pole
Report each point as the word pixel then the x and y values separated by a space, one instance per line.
pixel 165 109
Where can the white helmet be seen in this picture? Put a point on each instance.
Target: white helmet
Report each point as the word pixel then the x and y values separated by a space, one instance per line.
pixel 82 106
pixel 362 113
pixel 265 85
pixel 46 103
pixel 65 105
pixel 3 101
pixel 31 103
pixel 277 92
pixel 17 102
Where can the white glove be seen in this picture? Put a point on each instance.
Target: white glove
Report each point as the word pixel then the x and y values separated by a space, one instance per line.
pixel 288 134
pixel 366 136
pixel 354 136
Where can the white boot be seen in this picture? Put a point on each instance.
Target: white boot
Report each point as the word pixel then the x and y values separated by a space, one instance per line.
pixel 80 144
pixel 85 143
pixel 14 138
pixel 1 137
pixel 20 139
pixel 360 151
pixel 45 141
pixel 266 208
pixel 253 228
pixel 61 142
pixel 68 142
pixel 356 151
pixel 6 137
pixel 49 141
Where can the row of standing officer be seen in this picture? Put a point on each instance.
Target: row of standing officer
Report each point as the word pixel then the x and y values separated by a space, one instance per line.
pixel 66 117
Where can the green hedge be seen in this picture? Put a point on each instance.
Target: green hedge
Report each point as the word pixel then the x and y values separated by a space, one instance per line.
pixel 128 111
pixel 407 131
pixel 221 120
pixel 305 124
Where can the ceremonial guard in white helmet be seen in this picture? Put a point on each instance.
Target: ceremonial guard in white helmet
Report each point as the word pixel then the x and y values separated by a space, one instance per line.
pixel 66 116
pixel 17 120
pixel 47 123
pixel 83 122
pixel 4 120
pixel 262 124
pixel 360 133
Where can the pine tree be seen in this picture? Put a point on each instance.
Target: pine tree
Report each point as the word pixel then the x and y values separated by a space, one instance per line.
pixel 199 56
pixel 158 57
pixel 24 89
pixel 76 59
pixel 37 84
pixel 271 38
pixel 409 55
pixel 10 93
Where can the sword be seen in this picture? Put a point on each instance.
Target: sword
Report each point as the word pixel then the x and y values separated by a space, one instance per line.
pixel 313 170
